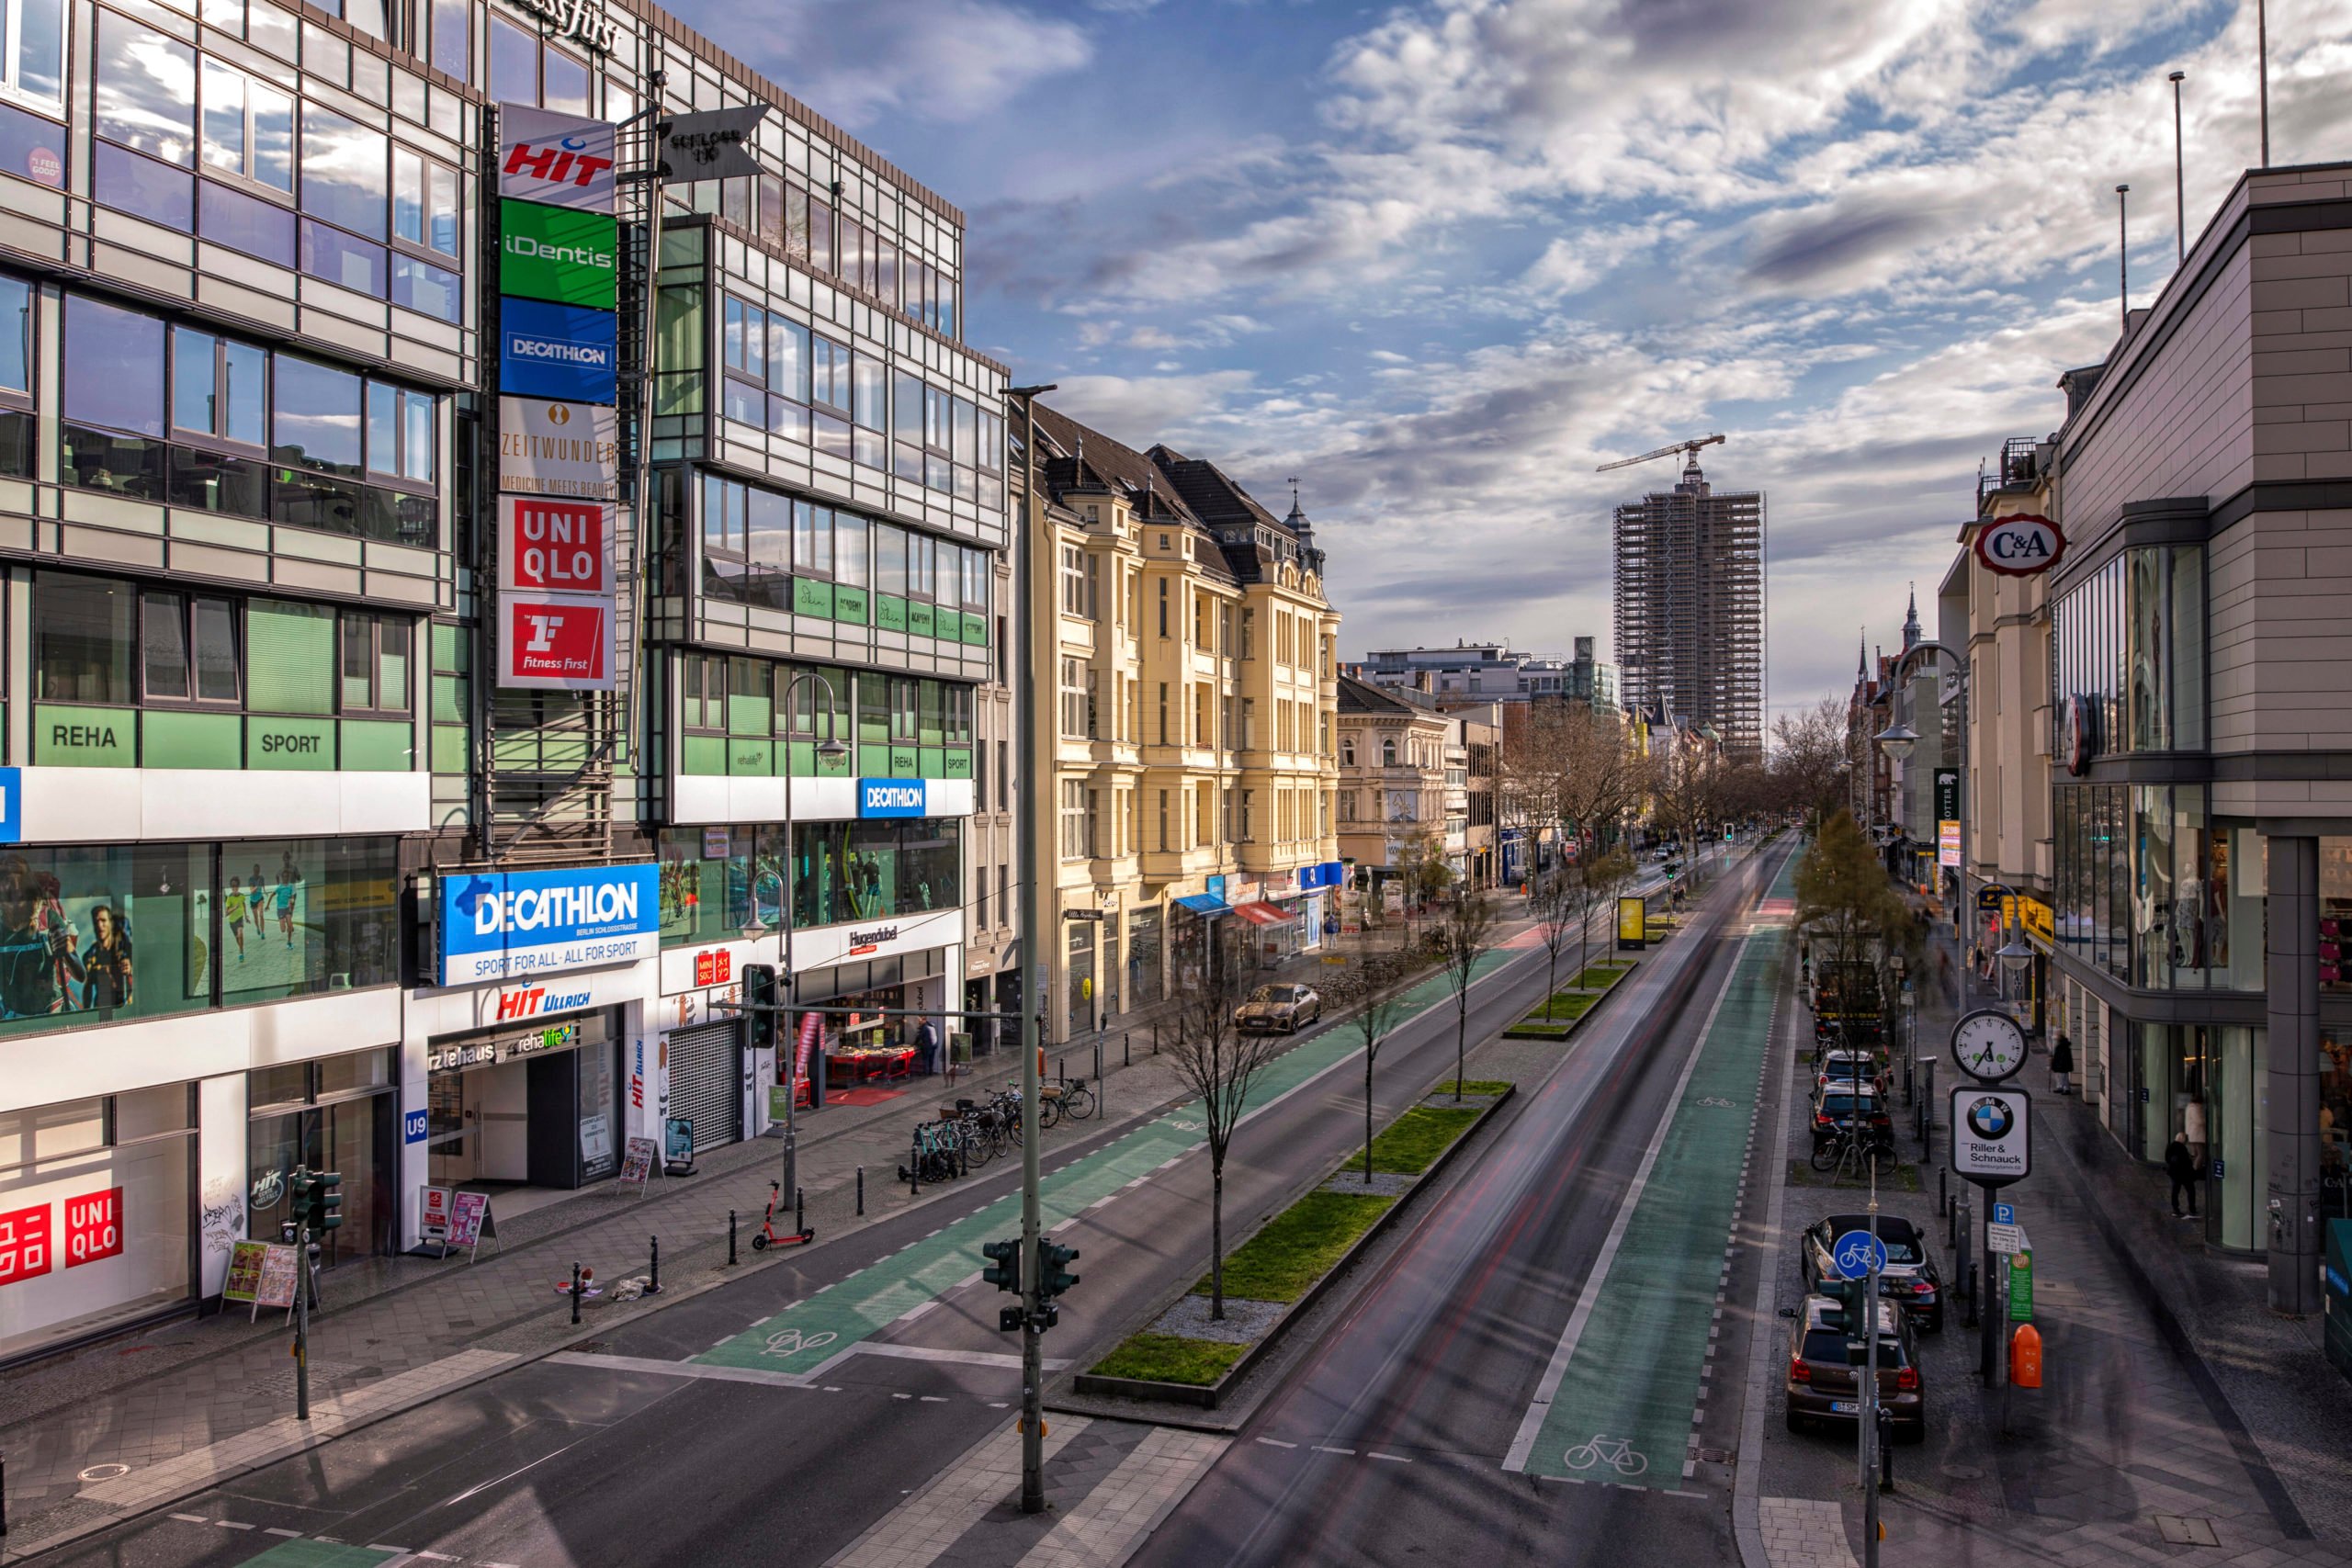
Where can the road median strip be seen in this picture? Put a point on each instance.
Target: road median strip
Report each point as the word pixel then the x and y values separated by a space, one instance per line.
pixel 1565 1013
pixel 1289 1261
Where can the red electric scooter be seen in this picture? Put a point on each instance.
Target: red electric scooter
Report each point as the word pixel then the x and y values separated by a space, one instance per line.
pixel 767 1235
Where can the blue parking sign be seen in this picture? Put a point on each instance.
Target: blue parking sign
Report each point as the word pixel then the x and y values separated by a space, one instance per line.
pixel 2005 1213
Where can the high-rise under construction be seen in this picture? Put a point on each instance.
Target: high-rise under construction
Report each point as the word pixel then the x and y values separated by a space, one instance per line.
pixel 1691 606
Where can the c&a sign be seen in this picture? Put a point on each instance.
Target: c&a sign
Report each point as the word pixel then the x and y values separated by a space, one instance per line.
pixel 2019 547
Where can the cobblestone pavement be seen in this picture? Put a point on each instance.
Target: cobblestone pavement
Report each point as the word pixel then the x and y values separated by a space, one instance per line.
pixel 2134 1450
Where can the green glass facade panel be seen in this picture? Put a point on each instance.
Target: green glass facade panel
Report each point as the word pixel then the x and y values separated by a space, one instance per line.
pixel 931 763
pixel 705 756
pixel 750 759
pixel 811 596
pixel 171 740
pixel 449 652
pixel 955 762
pixel 449 699
pixel 289 658
pixel 889 612
pixel 976 629
pixel 922 620
pixel 377 746
pixel 750 714
pixel 852 604
pixel 289 745
pixel 874 762
pixel 559 255
pixel 449 749
pixel 84 737
pixel 904 762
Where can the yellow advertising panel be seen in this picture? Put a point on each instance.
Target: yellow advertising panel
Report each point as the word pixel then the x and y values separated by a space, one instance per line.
pixel 1632 922
pixel 2035 916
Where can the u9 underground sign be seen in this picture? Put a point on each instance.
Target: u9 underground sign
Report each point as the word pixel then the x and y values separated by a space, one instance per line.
pixel 1992 1131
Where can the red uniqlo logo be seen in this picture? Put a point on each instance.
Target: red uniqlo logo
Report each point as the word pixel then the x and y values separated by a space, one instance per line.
pixel 93 1227
pixel 555 546
pixel 550 641
pixel 24 1243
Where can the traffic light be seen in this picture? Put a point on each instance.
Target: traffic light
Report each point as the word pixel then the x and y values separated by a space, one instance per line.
pixel 323 1212
pixel 1053 1269
pixel 298 1199
pixel 1852 1297
pixel 759 1004
pixel 1004 1264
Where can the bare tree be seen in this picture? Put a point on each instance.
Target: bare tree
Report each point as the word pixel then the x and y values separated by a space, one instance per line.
pixel 1463 935
pixel 1217 1060
pixel 1809 749
pixel 1374 988
pixel 1597 883
pixel 1559 904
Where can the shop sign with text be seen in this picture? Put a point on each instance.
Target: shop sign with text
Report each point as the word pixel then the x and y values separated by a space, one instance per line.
pixel 2024 546
pixel 563 352
pixel 558 253
pixel 546 545
pixel 562 160
pixel 503 925
pixel 558 450
pixel 556 644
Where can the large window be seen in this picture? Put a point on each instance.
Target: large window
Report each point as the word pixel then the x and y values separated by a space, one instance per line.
pixel 229 426
pixel 33 61
pixel 714 880
pixel 2128 643
pixel 16 423
pixel 318 915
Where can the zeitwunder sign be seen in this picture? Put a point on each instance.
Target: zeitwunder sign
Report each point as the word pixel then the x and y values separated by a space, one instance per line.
pixel 506 925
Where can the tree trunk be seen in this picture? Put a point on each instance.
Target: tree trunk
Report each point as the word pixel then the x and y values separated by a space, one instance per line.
pixel 1367 1115
pixel 1550 976
pixel 1461 1033
pixel 1217 1240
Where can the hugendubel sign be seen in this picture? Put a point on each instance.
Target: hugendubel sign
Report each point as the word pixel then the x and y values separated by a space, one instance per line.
pixel 2023 546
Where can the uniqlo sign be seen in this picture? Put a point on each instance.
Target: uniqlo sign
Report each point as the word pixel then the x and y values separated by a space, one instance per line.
pixel 546 545
pixel 556 644
pixel 24 1243
pixel 93 1227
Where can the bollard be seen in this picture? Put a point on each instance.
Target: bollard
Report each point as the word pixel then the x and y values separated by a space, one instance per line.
pixel 800 1201
pixel 1097 1058
pixel 4 1496
pixel 575 1292
pixel 1885 1449
pixel 861 1190
pixel 1943 1199
pixel 1155 1037
pixel 731 1238
pixel 1064 1063
pixel 1127 1048
pixel 653 1270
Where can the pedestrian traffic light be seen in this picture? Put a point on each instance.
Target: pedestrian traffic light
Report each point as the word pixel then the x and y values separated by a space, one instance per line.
pixel 297 1196
pixel 1852 1297
pixel 1005 1265
pixel 759 1004
pixel 323 1212
pixel 1053 1269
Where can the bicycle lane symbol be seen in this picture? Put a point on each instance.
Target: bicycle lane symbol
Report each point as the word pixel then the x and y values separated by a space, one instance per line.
pixel 786 1342
pixel 1616 1452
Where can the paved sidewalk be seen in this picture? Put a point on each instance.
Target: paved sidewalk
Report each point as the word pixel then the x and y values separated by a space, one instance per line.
pixel 2201 1436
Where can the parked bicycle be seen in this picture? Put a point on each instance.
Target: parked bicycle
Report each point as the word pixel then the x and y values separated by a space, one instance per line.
pixel 1845 1146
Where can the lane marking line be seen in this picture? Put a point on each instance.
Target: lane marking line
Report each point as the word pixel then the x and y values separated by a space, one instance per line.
pixel 1531 1425
pixel 1321 1450
pixel 192 1518
pixel 1276 1443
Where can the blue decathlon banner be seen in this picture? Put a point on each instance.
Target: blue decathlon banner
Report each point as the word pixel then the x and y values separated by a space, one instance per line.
pixel 891 797
pixel 507 925
pixel 557 351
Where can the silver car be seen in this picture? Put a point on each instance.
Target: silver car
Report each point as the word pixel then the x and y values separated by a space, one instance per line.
pixel 1285 1008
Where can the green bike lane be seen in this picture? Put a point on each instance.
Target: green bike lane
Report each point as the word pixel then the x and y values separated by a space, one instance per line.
pixel 809 1332
pixel 1623 1409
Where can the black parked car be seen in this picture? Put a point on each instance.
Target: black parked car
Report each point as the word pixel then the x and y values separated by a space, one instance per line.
pixel 1909 1278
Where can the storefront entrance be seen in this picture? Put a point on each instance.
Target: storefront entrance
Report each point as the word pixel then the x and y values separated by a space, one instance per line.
pixel 706 1082
pixel 536 1107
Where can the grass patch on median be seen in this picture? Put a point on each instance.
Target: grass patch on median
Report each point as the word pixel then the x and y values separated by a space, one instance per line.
pixel 1298 1245
pixel 1600 977
pixel 1565 1007
pixel 1168 1358
pixel 1420 1136
pixel 1475 1085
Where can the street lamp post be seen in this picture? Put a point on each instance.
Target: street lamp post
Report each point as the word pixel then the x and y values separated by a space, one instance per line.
pixel 1032 948
pixel 829 750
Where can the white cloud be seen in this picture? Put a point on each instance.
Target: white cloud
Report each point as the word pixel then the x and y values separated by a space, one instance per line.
pixel 954 61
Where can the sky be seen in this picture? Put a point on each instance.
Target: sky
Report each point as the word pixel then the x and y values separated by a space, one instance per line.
pixel 1438 260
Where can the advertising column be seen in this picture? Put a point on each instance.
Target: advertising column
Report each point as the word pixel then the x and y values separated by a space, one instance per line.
pixel 559 357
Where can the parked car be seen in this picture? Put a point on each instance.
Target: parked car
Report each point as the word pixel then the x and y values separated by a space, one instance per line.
pixel 1838 1069
pixel 1285 1008
pixel 1824 1377
pixel 1837 1105
pixel 1909 1279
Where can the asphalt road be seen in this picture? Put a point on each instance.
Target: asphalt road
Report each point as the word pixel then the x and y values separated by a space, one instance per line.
pixel 1388 1443
pixel 639 1454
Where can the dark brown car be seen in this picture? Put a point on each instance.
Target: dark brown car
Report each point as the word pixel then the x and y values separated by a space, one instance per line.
pixel 1825 1386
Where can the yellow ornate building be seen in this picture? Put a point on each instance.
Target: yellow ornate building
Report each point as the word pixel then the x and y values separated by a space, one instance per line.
pixel 1188 662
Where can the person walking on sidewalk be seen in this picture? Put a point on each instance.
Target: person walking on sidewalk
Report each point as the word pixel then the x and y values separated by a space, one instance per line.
pixel 2061 1065
pixel 927 1046
pixel 2181 1166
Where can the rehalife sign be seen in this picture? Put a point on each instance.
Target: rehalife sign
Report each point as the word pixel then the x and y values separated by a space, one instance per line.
pixel 2024 546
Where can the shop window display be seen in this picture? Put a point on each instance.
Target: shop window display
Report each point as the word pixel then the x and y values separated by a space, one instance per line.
pixel 303 916
pixel 712 878
pixel 99 933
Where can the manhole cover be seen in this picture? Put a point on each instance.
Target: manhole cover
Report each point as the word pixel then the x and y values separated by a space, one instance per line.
pixel 102 1472
pixel 1712 1455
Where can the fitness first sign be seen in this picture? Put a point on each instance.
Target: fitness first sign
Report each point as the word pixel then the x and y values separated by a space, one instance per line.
pixel 516 924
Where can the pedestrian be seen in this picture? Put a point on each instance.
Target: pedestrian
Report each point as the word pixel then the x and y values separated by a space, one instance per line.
pixel 927 1045
pixel 2181 1166
pixel 2061 1065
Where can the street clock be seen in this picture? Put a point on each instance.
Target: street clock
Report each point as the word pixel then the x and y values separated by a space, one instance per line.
pixel 1988 1045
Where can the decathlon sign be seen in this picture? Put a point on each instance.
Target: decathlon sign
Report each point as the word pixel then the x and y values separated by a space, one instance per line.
pixel 2019 547
pixel 890 798
pixel 560 352
pixel 512 925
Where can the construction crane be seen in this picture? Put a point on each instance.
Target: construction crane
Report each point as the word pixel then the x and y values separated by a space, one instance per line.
pixel 1690 446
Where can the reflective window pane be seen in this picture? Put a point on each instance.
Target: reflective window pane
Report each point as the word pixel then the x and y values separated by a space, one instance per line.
pixel 114 367
pixel 144 94
pixel 343 171
pixel 246 224
pixel 317 420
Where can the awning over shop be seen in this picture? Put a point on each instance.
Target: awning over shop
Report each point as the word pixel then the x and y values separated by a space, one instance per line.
pixel 1202 903
pixel 1261 914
